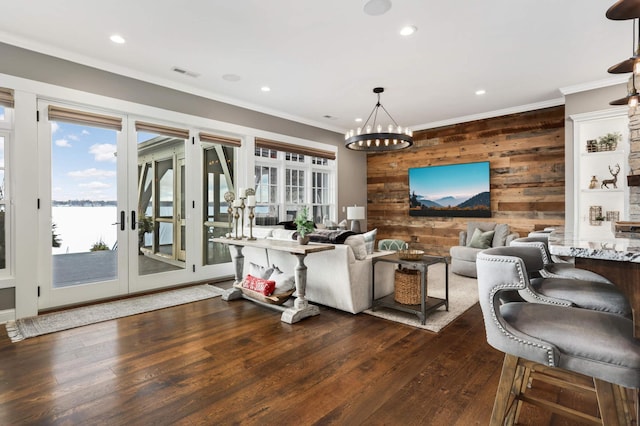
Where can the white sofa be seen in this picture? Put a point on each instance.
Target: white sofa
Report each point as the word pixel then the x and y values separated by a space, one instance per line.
pixel 335 278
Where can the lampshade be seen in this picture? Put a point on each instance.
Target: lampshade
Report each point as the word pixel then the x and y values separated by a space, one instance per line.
pixel 355 213
pixel 374 137
pixel 624 9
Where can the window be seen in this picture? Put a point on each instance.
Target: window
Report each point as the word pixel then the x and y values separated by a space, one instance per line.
pixel 266 179
pixel 218 220
pixel 320 197
pixel 4 202
pixel 285 181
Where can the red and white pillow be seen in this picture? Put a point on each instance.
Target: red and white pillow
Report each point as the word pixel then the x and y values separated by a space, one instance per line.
pixel 259 285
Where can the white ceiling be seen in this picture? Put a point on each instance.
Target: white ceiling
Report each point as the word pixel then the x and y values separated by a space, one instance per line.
pixel 324 57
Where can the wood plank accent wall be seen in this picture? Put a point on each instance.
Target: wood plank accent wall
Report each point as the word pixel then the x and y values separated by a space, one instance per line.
pixel 526 155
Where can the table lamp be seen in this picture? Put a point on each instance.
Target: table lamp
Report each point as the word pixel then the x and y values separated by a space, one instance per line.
pixel 355 214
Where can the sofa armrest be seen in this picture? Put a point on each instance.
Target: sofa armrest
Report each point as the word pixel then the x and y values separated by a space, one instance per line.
pixel 463 238
pixel 511 237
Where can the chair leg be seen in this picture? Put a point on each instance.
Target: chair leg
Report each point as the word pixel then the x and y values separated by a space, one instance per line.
pixel 613 403
pixel 503 404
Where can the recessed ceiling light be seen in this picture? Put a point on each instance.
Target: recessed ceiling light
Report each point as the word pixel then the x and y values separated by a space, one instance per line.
pixel 377 7
pixel 265 88
pixel 231 77
pixel 358 120
pixel 408 30
pixel 116 38
pixel 480 92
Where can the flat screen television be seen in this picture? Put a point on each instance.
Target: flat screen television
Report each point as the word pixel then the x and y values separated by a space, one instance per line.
pixel 453 190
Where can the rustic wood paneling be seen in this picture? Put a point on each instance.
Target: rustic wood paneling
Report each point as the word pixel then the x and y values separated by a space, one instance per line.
pixel 526 153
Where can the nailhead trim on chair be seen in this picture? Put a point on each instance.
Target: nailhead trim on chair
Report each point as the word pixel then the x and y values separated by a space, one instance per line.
pixel 550 351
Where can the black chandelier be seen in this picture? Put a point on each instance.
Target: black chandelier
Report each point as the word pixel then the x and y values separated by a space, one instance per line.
pixel 622 10
pixel 371 137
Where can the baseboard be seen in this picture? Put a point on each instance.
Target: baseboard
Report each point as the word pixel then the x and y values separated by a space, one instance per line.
pixel 7 315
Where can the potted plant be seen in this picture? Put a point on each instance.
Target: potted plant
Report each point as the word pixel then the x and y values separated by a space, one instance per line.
pixel 304 226
pixel 145 225
pixel 609 142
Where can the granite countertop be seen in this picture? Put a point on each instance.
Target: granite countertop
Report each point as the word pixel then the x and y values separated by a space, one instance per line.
pixel 563 243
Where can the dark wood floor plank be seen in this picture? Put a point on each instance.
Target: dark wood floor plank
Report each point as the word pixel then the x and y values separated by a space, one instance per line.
pixel 218 362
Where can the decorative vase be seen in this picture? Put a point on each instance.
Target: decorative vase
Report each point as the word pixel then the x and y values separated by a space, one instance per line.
pixel 303 240
pixel 594 183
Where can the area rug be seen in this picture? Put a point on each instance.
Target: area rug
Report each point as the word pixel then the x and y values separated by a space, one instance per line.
pixel 77 317
pixel 463 294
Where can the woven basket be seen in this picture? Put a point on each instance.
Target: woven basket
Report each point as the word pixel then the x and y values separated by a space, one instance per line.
pixel 407 286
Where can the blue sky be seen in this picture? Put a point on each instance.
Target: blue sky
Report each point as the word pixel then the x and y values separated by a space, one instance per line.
pixel 457 180
pixel 83 162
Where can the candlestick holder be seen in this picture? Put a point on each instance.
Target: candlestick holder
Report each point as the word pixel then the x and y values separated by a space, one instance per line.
pixel 236 216
pixel 251 216
pixel 229 197
pixel 242 207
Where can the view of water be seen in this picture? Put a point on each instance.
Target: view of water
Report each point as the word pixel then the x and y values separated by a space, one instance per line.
pixel 78 228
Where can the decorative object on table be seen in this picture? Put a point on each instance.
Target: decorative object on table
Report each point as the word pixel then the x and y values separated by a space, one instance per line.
pixel 606 182
pixel 410 254
pixel 593 184
pixel 355 214
pixel 612 216
pixel 236 216
pixel 407 286
pixel 370 137
pixel 229 197
pixel 242 195
pixel 303 225
pixel 595 215
pixel 251 205
pixel 592 145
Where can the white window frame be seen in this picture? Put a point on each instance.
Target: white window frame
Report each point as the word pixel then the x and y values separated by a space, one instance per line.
pixel 282 164
pixel 6 131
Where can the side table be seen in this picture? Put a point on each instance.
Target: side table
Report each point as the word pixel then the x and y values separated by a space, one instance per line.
pixel 427 304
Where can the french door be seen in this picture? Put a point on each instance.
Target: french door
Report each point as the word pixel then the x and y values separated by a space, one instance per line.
pixel 85 225
pixel 112 206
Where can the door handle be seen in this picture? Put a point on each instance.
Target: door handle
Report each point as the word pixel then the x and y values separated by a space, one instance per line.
pixel 133 220
pixel 121 223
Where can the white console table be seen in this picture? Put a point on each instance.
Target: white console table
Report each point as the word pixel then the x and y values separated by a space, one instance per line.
pixel 301 308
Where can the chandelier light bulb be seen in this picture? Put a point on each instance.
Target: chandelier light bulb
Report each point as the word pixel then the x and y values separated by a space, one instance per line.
pixel 633 101
pixel 636 68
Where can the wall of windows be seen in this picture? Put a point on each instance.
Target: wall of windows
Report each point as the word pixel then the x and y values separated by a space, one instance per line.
pixel 286 181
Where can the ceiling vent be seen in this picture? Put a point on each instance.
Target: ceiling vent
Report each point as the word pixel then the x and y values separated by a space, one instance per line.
pixel 185 72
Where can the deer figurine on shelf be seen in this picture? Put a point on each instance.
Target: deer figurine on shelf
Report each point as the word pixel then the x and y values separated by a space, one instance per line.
pixel 613 181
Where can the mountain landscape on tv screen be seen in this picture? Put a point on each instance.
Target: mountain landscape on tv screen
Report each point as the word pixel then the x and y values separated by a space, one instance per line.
pixel 478 205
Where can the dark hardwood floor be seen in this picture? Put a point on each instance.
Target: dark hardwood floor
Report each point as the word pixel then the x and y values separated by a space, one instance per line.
pixel 215 362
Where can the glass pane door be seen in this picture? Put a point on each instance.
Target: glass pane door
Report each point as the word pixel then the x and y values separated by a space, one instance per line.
pixel 85 214
pixel 160 204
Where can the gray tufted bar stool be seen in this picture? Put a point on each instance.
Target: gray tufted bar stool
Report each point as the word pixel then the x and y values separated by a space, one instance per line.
pixel 559 291
pixel 553 268
pixel 569 347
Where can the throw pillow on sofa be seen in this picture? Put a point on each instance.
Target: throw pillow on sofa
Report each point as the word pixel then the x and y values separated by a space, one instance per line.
pixel 481 240
pixel 358 246
pixel 370 240
pixel 259 285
